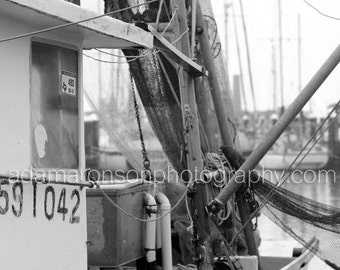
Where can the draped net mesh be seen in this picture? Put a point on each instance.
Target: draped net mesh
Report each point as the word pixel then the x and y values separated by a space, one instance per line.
pixel 303 219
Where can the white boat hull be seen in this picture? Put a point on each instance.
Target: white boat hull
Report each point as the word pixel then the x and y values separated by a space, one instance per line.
pixel 276 161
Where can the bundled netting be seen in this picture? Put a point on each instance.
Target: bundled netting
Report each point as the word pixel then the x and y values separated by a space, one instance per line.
pixel 303 219
pixel 159 101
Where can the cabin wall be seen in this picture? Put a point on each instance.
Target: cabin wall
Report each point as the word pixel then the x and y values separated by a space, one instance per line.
pixel 36 232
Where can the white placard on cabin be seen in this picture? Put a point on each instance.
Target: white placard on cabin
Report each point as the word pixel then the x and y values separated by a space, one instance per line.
pixel 68 83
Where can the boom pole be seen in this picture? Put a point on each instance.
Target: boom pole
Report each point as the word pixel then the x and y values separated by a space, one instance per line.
pixel 284 121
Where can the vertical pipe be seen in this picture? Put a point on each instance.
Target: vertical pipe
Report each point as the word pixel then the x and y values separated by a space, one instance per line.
pixel 158 234
pixel 150 234
pixel 165 207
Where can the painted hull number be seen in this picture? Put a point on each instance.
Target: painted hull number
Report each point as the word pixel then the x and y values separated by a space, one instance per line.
pixel 60 201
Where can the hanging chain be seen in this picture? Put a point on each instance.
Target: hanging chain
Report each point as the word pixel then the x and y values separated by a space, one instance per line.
pixel 146 162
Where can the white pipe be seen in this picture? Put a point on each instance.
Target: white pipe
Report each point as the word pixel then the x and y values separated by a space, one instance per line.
pixel 165 207
pixel 150 234
pixel 158 233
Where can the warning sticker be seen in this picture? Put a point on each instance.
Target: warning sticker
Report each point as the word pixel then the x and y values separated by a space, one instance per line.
pixel 68 83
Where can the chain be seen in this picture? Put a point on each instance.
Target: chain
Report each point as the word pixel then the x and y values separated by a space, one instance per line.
pixel 146 161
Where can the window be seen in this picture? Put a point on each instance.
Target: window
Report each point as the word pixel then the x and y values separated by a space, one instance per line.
pixel 54 106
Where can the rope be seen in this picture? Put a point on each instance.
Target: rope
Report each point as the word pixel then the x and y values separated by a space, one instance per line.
pixel 180 36
pixel 72 23
pixel 172 18
pixel 143 54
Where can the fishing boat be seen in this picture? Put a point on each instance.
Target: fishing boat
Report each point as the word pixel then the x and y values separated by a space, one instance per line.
pixel 57 214
pixel 43 184
pixel 282 161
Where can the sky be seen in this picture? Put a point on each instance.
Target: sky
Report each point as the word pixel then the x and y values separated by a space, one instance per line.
pixel 319 37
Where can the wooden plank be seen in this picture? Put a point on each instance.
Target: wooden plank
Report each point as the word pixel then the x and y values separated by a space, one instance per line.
pixel 166 47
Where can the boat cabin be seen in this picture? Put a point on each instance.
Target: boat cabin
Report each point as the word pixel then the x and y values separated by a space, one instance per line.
pixel 42 197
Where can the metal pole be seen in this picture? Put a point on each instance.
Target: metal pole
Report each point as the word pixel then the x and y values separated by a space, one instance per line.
pixel 299 52
pixel 274 77
pixel 239 58
pixel 248 56
pixel 280 54
pixel 214 86
pixel 288 116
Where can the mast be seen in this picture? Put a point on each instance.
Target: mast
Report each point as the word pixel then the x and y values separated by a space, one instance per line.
pixel 274 77
pixel 239 61
pixel 299 52
pixel 248 55
pixel 226 15
pixel 280 55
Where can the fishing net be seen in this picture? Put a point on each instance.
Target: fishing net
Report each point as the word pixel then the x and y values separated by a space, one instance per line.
pixel 159 102
pixel 303 218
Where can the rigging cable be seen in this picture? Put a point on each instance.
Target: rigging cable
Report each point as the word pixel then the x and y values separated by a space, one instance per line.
pixel 279 183
pixel 309 141
pixel 320 12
